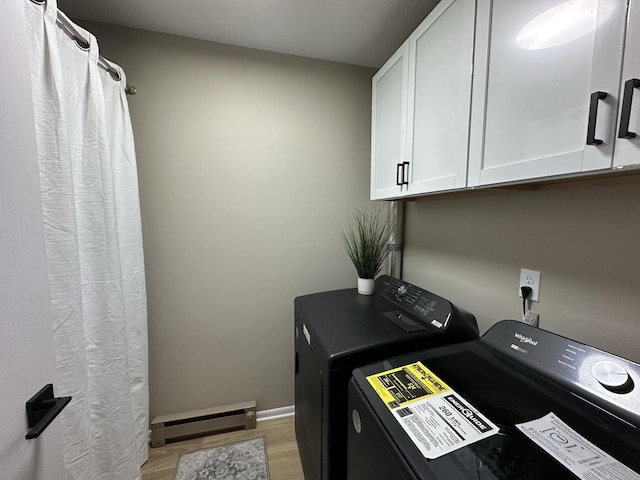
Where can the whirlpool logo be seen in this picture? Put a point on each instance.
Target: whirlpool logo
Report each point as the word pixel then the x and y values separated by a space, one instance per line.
pixel 524 339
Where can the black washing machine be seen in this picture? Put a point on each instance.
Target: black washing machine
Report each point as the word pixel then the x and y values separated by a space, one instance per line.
pixel 340 330
pixel 519 403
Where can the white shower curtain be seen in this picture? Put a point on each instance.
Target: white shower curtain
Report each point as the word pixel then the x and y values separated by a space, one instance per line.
pixel 94 250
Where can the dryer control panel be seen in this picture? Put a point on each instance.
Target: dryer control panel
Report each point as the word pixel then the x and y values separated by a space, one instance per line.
pixel 428 308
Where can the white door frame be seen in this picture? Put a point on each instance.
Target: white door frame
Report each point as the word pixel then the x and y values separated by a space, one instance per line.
pixel 26 337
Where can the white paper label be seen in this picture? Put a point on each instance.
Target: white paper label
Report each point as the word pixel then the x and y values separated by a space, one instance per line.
pixel 435 417
pixel 443 423
pixel 575 452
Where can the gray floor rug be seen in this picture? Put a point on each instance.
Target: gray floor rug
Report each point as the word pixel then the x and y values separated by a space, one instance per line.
pixel 246 460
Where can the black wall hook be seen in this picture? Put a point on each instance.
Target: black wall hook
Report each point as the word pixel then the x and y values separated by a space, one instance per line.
pixel 42 408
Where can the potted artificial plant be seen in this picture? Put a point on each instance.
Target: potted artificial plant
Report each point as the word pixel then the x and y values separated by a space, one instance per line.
pixel 365 234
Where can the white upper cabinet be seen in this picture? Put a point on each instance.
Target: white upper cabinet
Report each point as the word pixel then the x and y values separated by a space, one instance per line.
pixel 421 107
pixel 439 102
pixel 388 126
pixel 546 88
pixel 627 149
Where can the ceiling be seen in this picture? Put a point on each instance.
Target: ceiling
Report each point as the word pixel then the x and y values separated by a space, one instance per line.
pixel 360 32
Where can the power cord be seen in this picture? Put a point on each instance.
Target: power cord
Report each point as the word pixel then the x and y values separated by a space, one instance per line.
pixel 526 291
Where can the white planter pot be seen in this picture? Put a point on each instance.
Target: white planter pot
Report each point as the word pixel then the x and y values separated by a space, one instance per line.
pixel 366 286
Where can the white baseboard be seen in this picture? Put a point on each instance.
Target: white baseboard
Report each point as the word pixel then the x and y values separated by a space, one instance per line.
pixel 272 414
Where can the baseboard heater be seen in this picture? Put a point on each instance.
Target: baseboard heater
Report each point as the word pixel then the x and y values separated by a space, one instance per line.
pixel 179 426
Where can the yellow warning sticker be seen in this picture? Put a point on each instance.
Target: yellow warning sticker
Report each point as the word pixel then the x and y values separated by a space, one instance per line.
pixel 407 384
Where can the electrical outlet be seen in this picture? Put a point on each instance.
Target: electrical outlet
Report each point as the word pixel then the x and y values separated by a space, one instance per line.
pixel 530 278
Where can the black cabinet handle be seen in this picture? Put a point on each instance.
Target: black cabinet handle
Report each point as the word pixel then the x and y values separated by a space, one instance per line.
pixel 593 115
pixel 42 408
pixel 405 173
pixel 402 174
pixel 297 364
pixel 399 174
pixel 627 99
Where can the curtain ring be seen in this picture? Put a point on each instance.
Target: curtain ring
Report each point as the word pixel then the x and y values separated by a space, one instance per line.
pixel 39 2
pixel 81 42
pixel 115 74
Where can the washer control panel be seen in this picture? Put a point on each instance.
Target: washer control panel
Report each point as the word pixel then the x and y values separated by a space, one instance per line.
pixel 600 377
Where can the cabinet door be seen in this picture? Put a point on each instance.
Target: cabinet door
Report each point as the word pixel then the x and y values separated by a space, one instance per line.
pixel 439 102
pixel 537 66
pixel 388 126
pixel 627 149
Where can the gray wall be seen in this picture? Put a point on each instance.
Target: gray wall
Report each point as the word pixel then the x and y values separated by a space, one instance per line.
pixel 247 160
pixel 583 238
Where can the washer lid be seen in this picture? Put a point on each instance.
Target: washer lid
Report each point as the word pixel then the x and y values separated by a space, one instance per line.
pixel 507 394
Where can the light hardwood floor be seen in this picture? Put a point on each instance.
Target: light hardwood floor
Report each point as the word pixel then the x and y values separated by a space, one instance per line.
pixel 282 450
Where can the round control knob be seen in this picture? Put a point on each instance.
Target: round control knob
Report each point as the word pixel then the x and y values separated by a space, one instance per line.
pixel 403 291
pixel 612 376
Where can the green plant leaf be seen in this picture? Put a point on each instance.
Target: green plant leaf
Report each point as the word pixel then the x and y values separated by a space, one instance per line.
pixel 365 235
